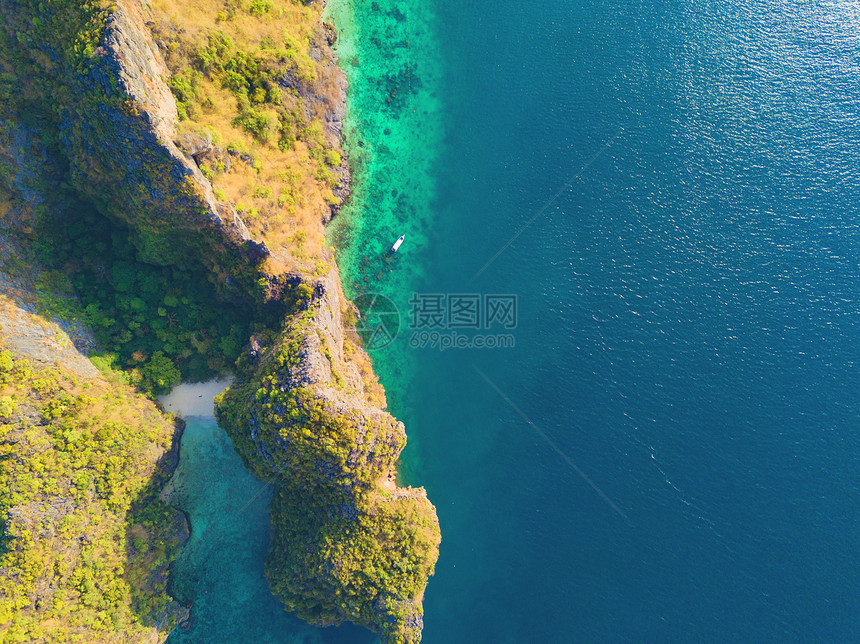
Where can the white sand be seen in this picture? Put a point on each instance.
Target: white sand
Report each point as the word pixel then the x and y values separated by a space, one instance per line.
pixel 194 399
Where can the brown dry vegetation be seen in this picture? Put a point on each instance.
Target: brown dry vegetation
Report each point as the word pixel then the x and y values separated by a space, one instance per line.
pixel 282 193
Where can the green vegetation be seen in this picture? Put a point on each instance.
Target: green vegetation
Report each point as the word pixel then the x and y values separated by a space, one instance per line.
pixel 132 249
pixel 347 545
pixel 243 75
pixel 376 559
pixel 161 323
pixel 77 26
pixel 253 75
pixel 87 540
pixel 264 82
pixel 316 431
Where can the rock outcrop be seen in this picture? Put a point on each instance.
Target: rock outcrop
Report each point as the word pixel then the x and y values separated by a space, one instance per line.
pixel 37 339
pixel 348 543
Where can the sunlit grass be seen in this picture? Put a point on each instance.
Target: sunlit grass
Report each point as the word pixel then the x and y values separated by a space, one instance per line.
pixel 278 191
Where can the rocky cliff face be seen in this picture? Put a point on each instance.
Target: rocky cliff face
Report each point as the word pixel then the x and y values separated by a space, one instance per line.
pixel 112 119
pixel 348 544
pixel 145 177
pixel 86 541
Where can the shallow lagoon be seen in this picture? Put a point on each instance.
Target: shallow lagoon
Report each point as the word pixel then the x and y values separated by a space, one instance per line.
pixel 220 569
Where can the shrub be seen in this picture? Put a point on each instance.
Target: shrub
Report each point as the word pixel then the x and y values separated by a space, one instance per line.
pixel 255 122
pixel 263 192
pixel 160 374
pixel 260 7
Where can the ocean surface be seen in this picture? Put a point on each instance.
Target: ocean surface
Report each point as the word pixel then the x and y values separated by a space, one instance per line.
pixel 669 193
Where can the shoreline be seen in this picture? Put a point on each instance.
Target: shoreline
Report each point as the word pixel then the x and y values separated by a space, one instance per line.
pixel 400 614
pixel 194 398
pixel 393 136
pixel 324 426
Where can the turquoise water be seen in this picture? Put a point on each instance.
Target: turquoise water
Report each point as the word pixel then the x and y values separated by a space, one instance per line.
pixel 679 181
pixel 393 138
pixel 670 451
pixel 220 569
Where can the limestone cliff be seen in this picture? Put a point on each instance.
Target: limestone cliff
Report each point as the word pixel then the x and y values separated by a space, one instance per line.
pixel 96 79
pixel 348 543
pixel 89 88
pixel 86 540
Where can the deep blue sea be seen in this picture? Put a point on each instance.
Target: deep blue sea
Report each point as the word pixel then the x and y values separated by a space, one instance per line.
pixel 671 190
pixel 688 323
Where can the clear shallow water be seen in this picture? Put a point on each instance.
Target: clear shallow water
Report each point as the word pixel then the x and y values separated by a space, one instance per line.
pixel 688 312
pixel 220 569
pixel 393 138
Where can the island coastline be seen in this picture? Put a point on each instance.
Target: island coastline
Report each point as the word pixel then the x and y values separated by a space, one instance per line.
pixel 157 172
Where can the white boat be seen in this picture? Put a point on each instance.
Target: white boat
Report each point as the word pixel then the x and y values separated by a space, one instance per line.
pixel 397 243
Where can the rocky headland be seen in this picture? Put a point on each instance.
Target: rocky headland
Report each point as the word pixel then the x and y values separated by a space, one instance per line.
pixel 208 143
